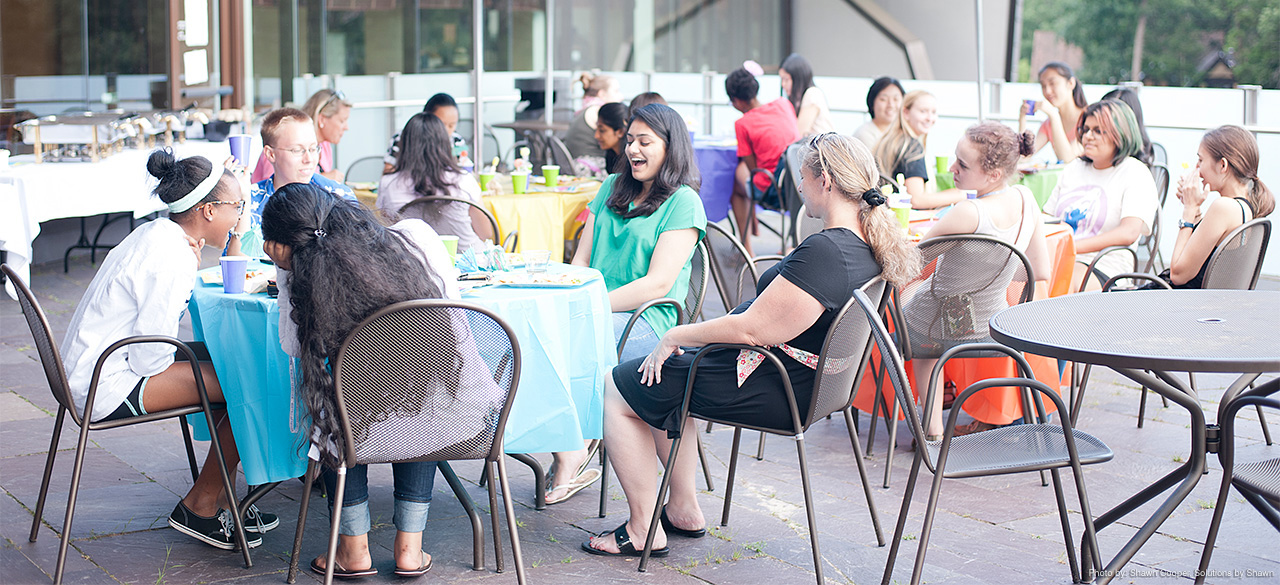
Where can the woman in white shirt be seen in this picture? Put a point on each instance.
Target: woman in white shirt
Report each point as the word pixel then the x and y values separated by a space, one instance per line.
pixel 425 167
pixel 338 266
pixel 813 116
pixel 1107 195
pixel 884 101
pixel 142 288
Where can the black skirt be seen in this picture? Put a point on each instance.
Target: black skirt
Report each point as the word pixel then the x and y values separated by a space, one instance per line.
pixel 760 402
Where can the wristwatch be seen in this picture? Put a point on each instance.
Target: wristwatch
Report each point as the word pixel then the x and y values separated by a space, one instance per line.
pixel 1182 223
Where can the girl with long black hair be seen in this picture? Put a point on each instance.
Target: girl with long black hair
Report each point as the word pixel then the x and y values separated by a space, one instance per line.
pixel 813 116
pixel 425 167
pixel 337 266
pixel 611 131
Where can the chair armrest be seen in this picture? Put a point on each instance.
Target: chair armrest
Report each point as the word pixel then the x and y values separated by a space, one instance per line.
pixel 1134 276
pixel 759 171
pixel 1027 383
pixel 958 351
pixel 136 339
pixel 635 316
pixel 1103 252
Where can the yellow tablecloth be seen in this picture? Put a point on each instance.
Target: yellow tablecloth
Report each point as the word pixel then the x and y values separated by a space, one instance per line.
pixel 544 218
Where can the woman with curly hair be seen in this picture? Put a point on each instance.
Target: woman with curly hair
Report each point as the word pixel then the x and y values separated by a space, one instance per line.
pixel 798 301
pixel 337 266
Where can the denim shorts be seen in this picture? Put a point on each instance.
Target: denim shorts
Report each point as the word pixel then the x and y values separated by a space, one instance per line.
pixel 641 340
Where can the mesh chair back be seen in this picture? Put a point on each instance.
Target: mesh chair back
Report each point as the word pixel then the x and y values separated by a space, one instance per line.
pixel 426 380
pixel 973 277
pixel 431 209
pixel 1158 154
pixel 1236 262
pixel 365 170
pixel 1160 174
pixel 699 274
pixel 894 371
pixel 731 268
pixel 54 371
pixel 843 353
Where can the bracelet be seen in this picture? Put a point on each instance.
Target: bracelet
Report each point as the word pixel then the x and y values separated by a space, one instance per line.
pixel 1182 223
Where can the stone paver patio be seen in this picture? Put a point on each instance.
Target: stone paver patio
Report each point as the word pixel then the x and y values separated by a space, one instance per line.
pixel 990 530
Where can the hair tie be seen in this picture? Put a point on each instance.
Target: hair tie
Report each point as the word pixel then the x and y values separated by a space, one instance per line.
pixel 873 197
pixel 753 68
pixel 198 193
pixel 321 233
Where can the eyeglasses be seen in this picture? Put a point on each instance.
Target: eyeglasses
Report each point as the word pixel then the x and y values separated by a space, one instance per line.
pixel 1096 131
pixel 312 150
pixel 336 95
pixel 239 205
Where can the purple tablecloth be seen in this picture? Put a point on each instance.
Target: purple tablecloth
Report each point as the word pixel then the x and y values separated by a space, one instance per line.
pixel 716 163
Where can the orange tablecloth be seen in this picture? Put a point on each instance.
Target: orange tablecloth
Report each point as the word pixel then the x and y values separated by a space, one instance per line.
pixel 544 218
pixel 994 405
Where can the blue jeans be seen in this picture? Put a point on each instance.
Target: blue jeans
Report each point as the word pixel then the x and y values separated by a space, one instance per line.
pixel 640 342
pixel 413 485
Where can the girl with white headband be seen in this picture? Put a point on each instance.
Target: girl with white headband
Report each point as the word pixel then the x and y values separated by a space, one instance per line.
pixel 142 288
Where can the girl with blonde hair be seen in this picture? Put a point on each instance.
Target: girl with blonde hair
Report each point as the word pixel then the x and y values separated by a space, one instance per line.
pixel 901 152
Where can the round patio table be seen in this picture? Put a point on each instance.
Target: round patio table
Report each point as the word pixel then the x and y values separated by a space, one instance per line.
pixel 1226 331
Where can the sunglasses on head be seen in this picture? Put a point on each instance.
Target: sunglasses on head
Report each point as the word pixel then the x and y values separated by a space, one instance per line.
pixel 336 95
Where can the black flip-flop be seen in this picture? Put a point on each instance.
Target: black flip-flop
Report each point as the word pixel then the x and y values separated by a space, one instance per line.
pixel 625 548
pixel 418 572
pixel 342 573
pixel 673 529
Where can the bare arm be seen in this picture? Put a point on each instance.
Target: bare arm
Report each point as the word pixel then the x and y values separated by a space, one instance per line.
pixel 933 200
pixel 1063 147
pixel 804 119
pixel 1193 247
pixel 668 258
pixel 782 312
pixel 962 219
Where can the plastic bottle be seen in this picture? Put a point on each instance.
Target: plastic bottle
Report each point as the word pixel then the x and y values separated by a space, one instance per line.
pixel 464 161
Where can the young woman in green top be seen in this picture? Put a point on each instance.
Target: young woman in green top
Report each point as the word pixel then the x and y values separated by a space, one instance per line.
pixel 643 226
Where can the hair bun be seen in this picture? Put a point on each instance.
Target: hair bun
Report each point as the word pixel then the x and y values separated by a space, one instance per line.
pixel 162 164
pixel 1026 143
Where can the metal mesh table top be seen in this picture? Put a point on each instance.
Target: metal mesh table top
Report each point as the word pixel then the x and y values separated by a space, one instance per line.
pixel 1182 330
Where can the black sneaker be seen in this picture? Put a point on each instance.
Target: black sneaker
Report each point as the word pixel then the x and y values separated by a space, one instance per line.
pixel 218 531
pixel 256 520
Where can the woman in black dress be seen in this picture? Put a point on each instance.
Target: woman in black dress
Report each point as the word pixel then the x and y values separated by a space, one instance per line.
pixel 796 303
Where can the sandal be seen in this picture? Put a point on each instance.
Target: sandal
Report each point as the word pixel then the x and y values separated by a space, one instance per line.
pixel 580 482
pixel 341 573
pixel 673 529
pixel 418 572
pixel 948 395
pixel 625 547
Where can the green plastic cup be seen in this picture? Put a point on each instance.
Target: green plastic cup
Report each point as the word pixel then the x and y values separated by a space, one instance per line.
pixel 903 211
pixel 943 163
pixel 484 180
pixel 451 246
pixel 551 173
pixel 519 183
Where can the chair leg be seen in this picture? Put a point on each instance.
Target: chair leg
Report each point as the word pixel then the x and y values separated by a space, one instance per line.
pixel 733 470
pixel 702 457
pixel 1066 526
pixel 662 496
pixel 604 482
pixel 760 449
pixel 229 485
pixel 1142 405
pixel 708 426
pixel 493 517
pixel 336 506
pixel 1214 525
pixel 918 571
pixel 1262 419
pixel 891 423
pixel 76 469
pixel 1078 399
pixel 877 405
pixel 808 508
pixel 851 422
pixel 48 471
pixel 1089 555
pixel 313 468
pixel 516 555
pixel 477 529
pixel 191 450
pixel 902 519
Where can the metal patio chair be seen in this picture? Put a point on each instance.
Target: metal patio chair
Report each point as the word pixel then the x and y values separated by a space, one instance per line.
pixel 387 378
pixel 1011 449
pixel 428 209
pixel 56 375
pixel 839 364
pixel 366 169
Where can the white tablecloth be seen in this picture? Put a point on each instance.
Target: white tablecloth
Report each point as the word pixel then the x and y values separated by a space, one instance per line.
pixel 31 194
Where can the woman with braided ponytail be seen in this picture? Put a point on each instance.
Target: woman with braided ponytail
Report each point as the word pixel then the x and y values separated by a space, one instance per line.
pixel 797 302
pixel 337 266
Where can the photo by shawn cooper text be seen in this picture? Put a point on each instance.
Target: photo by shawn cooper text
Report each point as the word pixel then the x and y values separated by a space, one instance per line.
pixel 1211 573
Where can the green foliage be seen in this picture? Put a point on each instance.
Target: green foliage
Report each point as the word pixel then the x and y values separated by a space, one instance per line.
pixel 1179 34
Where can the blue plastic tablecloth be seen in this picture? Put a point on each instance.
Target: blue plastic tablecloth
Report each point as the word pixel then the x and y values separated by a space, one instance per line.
pixel 717 162
pixel 566 347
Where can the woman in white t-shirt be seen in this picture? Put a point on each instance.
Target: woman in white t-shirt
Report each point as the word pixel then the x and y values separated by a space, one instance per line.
pixel 425 167
pixel 142 288
pixel 1107 195
pixel 813 116
pixel 339 265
